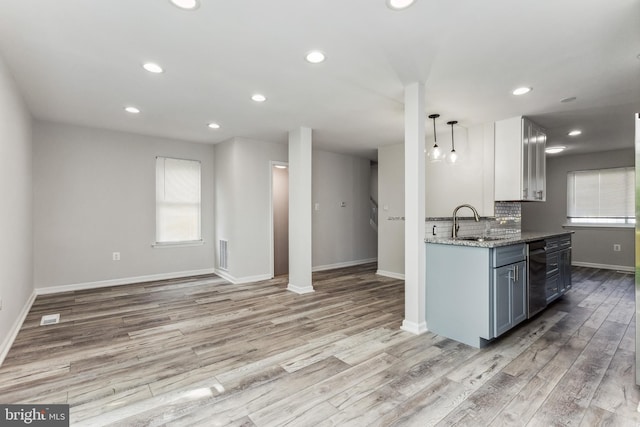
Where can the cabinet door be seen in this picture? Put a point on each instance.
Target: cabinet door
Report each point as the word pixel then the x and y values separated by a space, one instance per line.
pixel 542 165
pixel 519 293
pixel 538 164
pixel 527 150
pixel 565 270
pixel 502 300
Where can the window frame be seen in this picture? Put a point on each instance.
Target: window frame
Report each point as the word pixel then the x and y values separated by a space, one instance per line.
pixel 158 202
pixel 602 221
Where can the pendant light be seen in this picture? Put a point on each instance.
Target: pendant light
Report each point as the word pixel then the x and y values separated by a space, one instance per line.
pixel 435 154
pixel 452 157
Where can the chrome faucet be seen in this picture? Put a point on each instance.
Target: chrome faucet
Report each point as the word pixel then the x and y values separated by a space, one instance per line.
pixel 456 227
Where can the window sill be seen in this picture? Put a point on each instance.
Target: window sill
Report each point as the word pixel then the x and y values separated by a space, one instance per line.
pixel 596 225
pixel 190 243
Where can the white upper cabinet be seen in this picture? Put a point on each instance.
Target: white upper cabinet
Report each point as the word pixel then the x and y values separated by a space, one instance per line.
pixel 519 160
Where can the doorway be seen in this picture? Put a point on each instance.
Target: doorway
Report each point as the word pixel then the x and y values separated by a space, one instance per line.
pixel 280 203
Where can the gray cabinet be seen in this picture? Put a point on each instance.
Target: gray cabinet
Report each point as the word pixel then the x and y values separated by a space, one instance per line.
pixel 565 270
pixel 509 289
pixel 558 277
pixel 520 162
pixel 474 294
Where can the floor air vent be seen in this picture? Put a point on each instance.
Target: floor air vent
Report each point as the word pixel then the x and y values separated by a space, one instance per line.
pixel 223 261
pixel 50 319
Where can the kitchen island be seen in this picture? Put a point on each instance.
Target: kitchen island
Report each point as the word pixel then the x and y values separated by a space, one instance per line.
pixel 478 287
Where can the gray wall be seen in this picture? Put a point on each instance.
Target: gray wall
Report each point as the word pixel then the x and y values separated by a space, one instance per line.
pixel 341 235
pixel 16 253
pixel 391 204
pixel 94 194
pixel 243 205
pixel 591 246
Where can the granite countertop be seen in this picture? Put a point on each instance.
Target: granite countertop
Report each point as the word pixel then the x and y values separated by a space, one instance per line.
pixel 496 241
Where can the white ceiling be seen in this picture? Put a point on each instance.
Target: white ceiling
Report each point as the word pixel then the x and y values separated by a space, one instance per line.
pixel 79 61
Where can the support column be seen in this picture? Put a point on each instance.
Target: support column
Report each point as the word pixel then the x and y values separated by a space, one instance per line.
pixel 414 210
pixel 300 225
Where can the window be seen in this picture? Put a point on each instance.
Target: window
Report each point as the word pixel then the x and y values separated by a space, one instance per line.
pixel 177 200
pixel 602 196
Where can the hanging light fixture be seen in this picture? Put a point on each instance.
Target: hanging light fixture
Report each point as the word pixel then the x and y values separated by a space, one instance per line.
pixel 435 154
pixel 452 157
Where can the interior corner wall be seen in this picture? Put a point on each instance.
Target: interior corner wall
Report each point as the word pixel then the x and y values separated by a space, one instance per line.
pixel 16 244
pixel 243 218
pixel 391 210
pixel 94 194
pixel 342 235
pixel 470 180
pixel 591 246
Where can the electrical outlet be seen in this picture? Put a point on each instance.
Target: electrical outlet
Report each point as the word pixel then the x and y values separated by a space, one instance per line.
pixel 116 256
pixel 616 247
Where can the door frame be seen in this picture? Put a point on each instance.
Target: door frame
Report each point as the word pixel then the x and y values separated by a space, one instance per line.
pixel 272 164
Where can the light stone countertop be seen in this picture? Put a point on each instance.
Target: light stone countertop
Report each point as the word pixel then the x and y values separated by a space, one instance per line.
pixel 511 239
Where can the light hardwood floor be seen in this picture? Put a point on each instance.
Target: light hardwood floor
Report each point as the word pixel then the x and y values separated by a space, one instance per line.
pixel 201 351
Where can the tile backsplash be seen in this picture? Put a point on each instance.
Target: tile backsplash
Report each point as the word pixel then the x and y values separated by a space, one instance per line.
pixel 507 221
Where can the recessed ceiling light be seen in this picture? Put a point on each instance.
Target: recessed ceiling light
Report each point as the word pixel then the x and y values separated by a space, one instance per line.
pixel 281 166
pixel 186 4
pixel 315 57
pixel 213 125
pixel 258 97
pixel 152 67
pixel 399 4
pixel 575 132
pixel 555 150
pixel 569 99
pixel 521 90
pixel 132 110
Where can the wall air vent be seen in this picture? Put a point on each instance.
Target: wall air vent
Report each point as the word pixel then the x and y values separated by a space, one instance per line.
pixel 223 260
pixel 50 319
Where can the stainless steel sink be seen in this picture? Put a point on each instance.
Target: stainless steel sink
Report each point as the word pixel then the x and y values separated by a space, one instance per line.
pixel 480 238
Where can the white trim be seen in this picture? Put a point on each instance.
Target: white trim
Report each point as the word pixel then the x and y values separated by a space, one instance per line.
pixel 597 225
pixel 13 332
pixel 300 289
pixel 625 268
pixel 414 328
pixel 240 280
pixel 122 281
pixel 343 264
pixel 390 274
pixel 184 244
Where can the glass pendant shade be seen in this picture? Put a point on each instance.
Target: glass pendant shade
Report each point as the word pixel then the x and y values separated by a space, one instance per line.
pixel 452 157
pixel 435 154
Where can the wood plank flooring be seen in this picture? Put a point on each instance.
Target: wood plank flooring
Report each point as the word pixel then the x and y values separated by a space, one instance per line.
pixel 201 351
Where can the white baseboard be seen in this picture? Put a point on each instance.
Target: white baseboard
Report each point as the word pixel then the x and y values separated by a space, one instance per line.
pixel 241 280
pixel 390 274
pixel 13 332
pixel 624 268
pixel 343 264
pixel 122 281
pixel 413 327
pixel 300 289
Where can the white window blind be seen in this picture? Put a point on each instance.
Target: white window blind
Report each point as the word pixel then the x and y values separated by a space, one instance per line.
pixel 602 196
pixel 177 200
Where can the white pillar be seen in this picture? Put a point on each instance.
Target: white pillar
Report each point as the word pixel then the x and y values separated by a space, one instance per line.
pixel 414 210
pixel 300 225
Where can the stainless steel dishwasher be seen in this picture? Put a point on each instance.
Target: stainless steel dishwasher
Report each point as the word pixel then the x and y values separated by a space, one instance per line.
pixel 537 261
